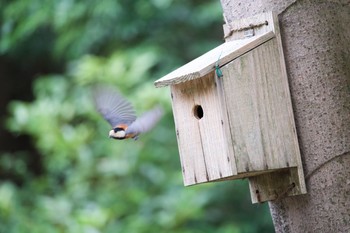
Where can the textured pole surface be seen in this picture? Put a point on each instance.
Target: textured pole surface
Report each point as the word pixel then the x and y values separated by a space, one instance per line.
pixel 316 41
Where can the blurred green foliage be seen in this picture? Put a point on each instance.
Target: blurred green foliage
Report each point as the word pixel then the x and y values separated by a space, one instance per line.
pixel 83 181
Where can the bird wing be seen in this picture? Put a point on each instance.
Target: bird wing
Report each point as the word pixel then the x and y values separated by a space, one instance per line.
pixel 145 122
pixel 113 106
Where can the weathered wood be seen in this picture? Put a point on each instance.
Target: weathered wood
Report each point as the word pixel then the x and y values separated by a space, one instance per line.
pixel 267 187
pixel 260 24
pixel 262 130
pixel 202 143
pixel 206 63
pixel 260 181
pixel 261 121
pixel 245 126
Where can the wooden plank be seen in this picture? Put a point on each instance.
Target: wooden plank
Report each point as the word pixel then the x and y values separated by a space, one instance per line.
pixel 226 126
pixel 203 150
pixel 272 181
pixel 188 137
pixel 273 19
pixel 261 127
pixel 216 153
pixel 206 63
pixel 259 24
pixel 275 185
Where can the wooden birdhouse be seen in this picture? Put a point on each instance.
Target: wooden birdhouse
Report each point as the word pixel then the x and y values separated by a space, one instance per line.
pixel 233 113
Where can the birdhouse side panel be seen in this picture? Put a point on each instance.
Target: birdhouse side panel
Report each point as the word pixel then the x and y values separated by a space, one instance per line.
pixel 199 127
pixel 259 109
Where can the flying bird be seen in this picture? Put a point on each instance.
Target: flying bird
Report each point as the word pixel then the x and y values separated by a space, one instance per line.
pixel 121 115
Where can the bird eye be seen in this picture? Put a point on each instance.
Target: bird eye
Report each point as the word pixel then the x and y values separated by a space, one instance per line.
pixel 118 129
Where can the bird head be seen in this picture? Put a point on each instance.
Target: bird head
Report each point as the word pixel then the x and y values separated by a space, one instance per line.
pixel 117 133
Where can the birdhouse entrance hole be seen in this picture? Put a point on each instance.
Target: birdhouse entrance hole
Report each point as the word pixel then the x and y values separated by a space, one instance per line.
pixel 198 112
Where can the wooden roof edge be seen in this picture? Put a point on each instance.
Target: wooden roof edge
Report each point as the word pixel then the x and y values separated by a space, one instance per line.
pixel 206 63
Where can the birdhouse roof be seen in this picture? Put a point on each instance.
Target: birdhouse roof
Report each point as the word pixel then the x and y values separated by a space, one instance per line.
pixel 206 63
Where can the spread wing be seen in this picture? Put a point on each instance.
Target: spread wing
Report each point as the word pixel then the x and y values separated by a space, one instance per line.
pixel 145 122
pixel 113 106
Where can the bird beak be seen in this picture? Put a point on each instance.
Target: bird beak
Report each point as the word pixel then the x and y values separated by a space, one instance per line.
pixel 110 135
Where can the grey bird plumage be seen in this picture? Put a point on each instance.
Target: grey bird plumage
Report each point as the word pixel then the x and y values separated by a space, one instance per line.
pixel 121 115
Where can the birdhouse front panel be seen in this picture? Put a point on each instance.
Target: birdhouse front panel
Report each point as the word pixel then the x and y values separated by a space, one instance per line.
pixel 200 129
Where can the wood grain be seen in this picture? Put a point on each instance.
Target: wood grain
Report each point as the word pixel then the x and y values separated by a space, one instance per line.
pixel 257 105
pixel 206 63
pixel 247 128
pixel 202 142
